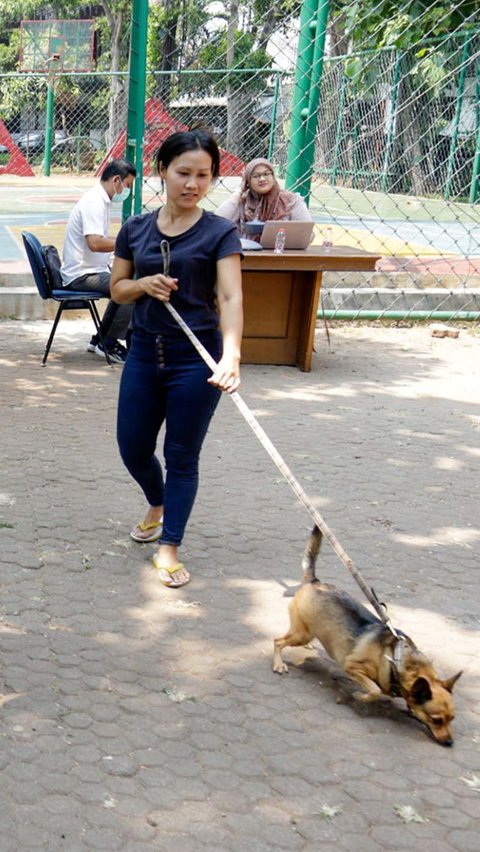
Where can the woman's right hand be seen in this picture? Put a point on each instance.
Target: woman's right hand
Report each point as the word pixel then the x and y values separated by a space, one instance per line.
pixel 159 286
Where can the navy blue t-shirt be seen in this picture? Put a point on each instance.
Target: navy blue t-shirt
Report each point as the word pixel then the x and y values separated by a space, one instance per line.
pixel 194 256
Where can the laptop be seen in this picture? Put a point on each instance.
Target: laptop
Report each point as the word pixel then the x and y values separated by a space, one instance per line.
pixel 298 235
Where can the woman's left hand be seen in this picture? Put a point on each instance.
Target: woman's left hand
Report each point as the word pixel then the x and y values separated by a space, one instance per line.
pixel 227 375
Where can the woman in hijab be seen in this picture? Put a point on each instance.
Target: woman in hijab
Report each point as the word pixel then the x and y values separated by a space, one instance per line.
pixel 260 198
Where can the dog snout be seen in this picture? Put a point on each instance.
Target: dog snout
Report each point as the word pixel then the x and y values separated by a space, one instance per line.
pixel 444 738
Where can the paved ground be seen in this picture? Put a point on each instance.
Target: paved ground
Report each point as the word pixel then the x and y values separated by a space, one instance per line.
pixel 139 718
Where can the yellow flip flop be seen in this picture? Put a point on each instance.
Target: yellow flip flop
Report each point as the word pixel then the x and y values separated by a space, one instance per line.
pixel 155 526
pixel 167 575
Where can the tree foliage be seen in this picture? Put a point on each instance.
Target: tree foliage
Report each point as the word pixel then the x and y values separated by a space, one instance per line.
pixel 424 42
pixel 368 24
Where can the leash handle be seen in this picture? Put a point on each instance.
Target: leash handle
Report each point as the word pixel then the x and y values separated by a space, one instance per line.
pixel 277 458
pixel 165 249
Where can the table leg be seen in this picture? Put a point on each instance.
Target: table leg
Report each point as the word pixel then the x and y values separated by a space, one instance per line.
pixel 308 321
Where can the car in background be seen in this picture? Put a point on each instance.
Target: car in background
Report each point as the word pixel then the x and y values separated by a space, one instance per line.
pixel 34 140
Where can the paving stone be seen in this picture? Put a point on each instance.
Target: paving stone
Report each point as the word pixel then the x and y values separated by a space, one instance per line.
pixel 94 753
pixel 354 843
pixel 88 754
pixel 438 797
pixel 25 792
pixel 469 806
pixel 77 720
pixel 243 844
pixel 216 759
pixel 465 840
pixel 178 841
pixel 101 839
pixel 121 765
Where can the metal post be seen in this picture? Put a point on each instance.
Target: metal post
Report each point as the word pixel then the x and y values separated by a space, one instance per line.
pixel 273 122
pixel 456 121
pixel 475 183
pixel 301 92
pixel 136 101
pixel 314 98
pixel 49 121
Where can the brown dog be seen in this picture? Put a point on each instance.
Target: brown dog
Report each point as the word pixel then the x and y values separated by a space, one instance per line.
pixel 367 651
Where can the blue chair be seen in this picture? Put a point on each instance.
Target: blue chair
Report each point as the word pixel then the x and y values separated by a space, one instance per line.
pixel 68 300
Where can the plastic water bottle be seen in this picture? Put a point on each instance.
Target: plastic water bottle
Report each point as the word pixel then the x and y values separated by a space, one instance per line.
pixel 327 239
pixel 280 241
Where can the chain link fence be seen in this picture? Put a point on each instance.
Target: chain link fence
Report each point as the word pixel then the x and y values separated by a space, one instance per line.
pixel 82 134
pixel 397 150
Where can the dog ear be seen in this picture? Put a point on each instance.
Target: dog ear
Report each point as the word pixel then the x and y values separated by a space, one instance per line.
pixel 451 681
pixel 420 691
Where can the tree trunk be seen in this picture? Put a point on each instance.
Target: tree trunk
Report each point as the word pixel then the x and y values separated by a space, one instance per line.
pixel 269 26
pixel 117 115
pixel 169 51
pixel 338 41
pixel 408 158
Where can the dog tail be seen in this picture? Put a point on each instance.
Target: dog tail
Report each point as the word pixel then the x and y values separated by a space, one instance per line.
pixel 310 556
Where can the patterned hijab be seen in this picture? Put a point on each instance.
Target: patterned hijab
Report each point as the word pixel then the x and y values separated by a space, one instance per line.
pixel 273 205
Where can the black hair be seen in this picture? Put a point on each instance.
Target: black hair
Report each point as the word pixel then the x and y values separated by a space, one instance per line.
pixel 188 140
pixel 120 168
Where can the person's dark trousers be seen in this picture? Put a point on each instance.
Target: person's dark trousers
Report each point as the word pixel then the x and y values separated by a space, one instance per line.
pixel 165 382
pixel 116 319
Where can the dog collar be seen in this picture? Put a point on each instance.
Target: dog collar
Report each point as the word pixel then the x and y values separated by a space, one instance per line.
pixel 396 665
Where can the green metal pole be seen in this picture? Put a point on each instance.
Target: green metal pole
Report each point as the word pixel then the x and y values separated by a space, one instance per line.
pixel 475 184
pixel 311 122
pixel 136 101
pixel 273 123
pixel 456 121
pixel 49 119
pixel 444 316
pixel 301 91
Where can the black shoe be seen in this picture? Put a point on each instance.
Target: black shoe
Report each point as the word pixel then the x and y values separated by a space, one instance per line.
pixel 117 354
pixel 91 346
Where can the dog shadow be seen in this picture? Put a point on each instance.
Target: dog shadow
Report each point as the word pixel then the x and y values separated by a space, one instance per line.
pixel 317 666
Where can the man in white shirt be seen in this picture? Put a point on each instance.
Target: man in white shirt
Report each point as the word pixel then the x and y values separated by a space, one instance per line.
pixel 87 252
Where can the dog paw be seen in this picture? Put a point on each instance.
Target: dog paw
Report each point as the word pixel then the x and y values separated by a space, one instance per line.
pixel 280 668
pixel 366 697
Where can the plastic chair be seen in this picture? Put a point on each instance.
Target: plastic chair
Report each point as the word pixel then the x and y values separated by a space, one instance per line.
pixel 68 300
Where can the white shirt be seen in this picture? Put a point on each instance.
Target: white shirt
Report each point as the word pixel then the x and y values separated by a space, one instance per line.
pixel 90 216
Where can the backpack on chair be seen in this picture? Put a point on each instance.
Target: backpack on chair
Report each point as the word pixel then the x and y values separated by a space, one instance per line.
pixel 53 264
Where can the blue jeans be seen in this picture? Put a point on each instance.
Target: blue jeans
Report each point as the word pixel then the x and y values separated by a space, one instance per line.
pixel 165 381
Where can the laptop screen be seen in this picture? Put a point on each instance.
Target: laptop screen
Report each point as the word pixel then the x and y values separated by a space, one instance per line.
pixel 298 235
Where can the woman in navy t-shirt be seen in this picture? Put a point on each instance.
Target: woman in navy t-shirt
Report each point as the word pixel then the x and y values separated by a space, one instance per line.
pixel 164 379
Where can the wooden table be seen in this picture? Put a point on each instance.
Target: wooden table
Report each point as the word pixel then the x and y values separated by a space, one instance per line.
pixel 281 293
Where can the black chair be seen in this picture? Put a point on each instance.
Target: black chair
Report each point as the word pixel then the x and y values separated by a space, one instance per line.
pixel 68 300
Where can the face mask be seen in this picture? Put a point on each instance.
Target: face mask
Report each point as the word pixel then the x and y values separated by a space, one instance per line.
pixel 120 197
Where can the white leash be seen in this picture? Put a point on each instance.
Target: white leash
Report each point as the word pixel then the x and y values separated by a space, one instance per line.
pixel 279 461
